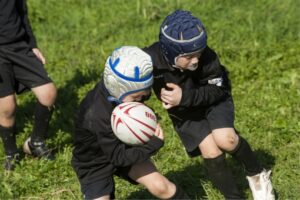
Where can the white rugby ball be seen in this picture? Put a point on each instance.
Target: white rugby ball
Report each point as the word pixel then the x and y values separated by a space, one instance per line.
pixel 133 123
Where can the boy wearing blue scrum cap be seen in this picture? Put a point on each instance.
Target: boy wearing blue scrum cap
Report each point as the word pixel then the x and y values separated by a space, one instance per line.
pixel 98 155
pixel 194 88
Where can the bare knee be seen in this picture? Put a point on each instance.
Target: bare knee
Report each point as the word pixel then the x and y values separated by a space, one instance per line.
pixel 209 148
pixel 46 94
pixel 7 110
pixel 162 188
pixel 226 138
pixel 49 97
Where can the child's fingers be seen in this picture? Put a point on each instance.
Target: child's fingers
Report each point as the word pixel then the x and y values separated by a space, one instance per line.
pixel 159 132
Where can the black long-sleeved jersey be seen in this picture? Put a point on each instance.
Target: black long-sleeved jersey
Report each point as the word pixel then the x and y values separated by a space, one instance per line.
pixel 14 23
pixel 205 86
pixel 97 151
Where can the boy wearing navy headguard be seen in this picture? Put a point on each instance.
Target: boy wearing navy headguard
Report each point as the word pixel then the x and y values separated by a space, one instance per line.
pixel 194 88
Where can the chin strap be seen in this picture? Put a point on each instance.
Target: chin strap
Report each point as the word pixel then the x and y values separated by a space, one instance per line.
pixel 114 100
pixel 109 97
pixel 174 66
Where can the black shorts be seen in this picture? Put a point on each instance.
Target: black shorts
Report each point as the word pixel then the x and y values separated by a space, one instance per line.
pixel 99 188
pixel 105 186
pixel 192 132
pixel 20 69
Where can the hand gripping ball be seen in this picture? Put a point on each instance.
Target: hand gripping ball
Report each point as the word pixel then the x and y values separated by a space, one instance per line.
pixel 133 123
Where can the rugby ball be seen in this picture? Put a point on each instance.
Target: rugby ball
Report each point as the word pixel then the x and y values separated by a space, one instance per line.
pixel 133 123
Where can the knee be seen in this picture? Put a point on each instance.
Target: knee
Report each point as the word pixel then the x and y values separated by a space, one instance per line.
pixel 48 97
pixel 232 139
pixel 8 111
pixel 162 188
pixel 227 139
pixel 209 148
pixel 51 96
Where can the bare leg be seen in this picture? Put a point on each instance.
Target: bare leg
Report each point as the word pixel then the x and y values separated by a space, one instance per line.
pixel 7 124
pixel 46 95
pixel 146 174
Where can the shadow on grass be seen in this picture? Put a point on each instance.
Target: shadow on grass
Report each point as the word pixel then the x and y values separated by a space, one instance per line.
pixel 67 105
pixel 266 159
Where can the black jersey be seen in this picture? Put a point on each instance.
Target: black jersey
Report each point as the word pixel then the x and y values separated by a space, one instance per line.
pixel 14 23
pixel 97 151
pixel 202 88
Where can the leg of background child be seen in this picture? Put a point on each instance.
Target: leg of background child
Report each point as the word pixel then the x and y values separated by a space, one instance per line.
pixel 8 132
pixel 35 145
pixel 46 95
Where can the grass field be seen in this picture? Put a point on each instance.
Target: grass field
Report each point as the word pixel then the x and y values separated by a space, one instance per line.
pixel 258 42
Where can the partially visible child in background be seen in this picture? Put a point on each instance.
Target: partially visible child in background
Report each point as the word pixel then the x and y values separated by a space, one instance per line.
pixel 22 68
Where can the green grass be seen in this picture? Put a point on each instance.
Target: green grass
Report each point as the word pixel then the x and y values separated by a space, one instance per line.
pixel 258 41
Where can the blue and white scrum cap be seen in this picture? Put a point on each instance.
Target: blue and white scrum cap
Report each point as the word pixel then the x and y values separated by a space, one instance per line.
pixel 181 33
pixel 128 70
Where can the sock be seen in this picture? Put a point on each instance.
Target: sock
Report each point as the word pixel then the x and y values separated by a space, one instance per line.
pixel 244 154
pixel 221 177
pixel 180 194
pixel 8 136
pixel 42 116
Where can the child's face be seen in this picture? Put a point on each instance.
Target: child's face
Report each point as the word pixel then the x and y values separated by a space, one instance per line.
pixel 188 62
pixel 137 96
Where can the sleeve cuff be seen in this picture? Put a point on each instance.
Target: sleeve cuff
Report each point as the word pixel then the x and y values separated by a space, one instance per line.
pixel 186 98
